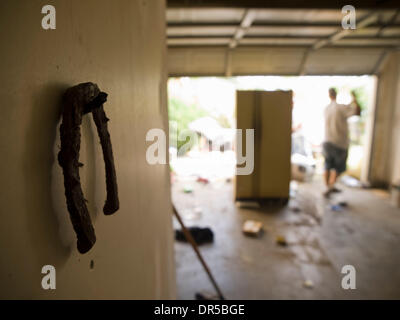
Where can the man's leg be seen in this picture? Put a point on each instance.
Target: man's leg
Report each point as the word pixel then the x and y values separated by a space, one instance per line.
pixel 327 176
pixel 339 168
pixel 332 178
pixel 328 165
pixel 330 175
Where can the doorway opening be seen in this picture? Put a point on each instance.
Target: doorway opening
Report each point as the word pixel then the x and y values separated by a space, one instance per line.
pixel 202 113
pixel 203 161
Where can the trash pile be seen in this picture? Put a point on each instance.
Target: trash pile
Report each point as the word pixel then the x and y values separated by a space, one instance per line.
pixel 200 235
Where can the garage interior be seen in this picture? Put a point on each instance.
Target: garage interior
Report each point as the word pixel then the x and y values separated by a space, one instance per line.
pixel 208 40
pixel 133 49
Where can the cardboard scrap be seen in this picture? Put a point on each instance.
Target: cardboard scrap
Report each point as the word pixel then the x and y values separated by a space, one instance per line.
pixel 281 240
pixel 308 284
pixel 252 228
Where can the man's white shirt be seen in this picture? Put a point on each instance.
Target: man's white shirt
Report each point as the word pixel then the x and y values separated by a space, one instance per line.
pixel 336 127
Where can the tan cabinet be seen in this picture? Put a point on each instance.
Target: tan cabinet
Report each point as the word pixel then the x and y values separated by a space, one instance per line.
pixel 269 113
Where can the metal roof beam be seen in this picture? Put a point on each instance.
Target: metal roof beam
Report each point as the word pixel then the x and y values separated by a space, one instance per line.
pixel 369 19
pixel 246 22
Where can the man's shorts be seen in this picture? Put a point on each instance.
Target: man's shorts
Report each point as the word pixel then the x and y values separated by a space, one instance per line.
pixel 335 157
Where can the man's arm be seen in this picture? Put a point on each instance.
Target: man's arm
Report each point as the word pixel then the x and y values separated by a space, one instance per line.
pixel 352 109
pixel 357 105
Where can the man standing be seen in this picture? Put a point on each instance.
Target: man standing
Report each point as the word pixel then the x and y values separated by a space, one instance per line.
pixel 336 143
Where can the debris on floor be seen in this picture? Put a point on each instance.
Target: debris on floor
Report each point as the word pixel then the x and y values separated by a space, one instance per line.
pixel 200 235
pixel 252 228
pixel 311 249
pixel 336 190
pixel 336 207
pixel 194 214
pixel 281 240
pixel 303 168
pixel 308 284
pixel 205 296
pixel 294 186
pixel 295 209
pixel 351 182
pixel 248 204
pixel 198 210
pixel 203 180
pixel 187 189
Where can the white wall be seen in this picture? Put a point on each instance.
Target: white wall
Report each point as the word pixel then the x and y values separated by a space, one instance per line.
pixel 120 45
pixel 385 160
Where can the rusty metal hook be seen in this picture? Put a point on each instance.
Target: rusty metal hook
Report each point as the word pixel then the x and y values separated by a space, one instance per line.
pixel 77 101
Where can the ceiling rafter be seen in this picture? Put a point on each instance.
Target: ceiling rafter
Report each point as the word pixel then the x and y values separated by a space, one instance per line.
pixel 307 32
pixel 246 22
pixel 340 34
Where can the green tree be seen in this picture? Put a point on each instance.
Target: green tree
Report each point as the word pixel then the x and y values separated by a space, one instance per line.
pixel 183 114
pixel 362 97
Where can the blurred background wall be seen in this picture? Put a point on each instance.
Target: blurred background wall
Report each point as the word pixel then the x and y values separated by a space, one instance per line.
pixel 120 45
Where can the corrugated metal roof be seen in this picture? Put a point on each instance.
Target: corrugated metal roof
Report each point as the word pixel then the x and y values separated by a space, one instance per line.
pixel 302 31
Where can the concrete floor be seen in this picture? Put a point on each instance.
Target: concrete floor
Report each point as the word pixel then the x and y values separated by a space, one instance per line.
pixel 366 235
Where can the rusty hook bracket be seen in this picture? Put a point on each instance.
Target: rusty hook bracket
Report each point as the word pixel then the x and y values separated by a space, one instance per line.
pixel 78 101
